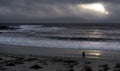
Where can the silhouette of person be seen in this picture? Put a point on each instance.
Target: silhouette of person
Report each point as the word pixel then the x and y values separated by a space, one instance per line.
pixel 83 54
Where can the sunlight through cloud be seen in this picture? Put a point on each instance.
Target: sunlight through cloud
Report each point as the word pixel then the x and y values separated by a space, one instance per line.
pixel 98 7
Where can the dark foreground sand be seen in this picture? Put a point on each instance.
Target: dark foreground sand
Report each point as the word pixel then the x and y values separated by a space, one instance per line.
pixel 35 63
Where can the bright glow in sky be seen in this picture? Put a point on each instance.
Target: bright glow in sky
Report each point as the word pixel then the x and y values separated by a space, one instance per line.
pixel 98 7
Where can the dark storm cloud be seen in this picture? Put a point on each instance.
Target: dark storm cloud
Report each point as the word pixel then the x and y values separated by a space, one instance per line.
pixel 6 2
pixel 55 10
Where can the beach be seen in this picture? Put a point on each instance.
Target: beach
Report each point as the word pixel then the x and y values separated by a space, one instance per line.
pixel 21 58
pixel 10 62
pixel 64 52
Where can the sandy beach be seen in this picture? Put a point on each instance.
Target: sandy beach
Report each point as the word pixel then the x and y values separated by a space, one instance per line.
pixel 35 63
pixel 63 52
pixel 24 58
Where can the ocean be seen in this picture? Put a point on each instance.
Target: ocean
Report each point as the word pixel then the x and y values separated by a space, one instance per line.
pixel 95 38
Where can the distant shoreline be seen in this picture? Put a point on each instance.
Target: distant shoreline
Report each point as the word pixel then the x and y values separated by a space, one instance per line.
pixel 91 25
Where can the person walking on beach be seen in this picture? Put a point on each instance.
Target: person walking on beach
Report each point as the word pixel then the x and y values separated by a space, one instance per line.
pixel 83 55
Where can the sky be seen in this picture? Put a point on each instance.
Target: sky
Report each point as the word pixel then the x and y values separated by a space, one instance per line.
pixel 81 11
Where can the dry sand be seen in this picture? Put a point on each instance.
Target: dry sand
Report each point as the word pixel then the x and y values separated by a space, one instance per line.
pixel 32 63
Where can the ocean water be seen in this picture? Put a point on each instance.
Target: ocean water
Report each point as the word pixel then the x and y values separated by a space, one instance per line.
pixel 95 38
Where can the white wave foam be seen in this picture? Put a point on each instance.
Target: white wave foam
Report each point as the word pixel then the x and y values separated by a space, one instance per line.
pixel 39 28
pixel 42 42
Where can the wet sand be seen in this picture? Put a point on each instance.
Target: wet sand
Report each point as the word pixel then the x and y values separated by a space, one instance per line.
pixel 63 52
